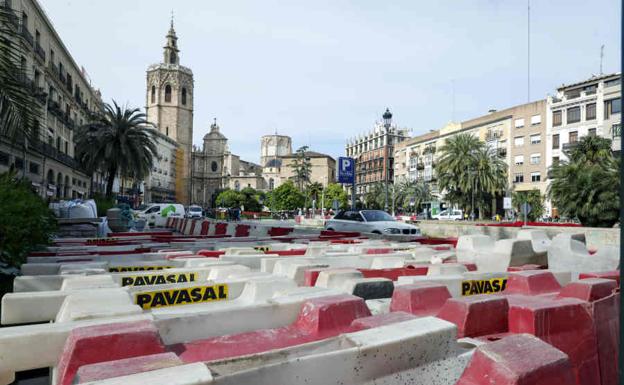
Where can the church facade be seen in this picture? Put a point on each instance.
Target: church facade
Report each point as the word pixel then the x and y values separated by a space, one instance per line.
pixel 169 106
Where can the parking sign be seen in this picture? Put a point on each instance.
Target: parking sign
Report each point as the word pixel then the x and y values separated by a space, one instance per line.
pixel 346 170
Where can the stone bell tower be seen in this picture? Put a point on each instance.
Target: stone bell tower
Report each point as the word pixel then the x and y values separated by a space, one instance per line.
pixel 169 106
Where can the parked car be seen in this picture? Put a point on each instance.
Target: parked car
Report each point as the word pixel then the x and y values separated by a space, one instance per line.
pixel 369 221
pixel 449 215
pixel 194 211
pixel 156 214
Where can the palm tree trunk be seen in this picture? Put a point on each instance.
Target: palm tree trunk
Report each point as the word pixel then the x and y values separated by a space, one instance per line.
pixel 112 172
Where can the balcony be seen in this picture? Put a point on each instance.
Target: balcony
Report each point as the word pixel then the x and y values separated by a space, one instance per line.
pixel 12 17
pixel 39 52
pixel 569 146
pixel 26 35
pixel 502 152
pixel 420 166
pixel 53 68
pixel 616 131
pixel 491 136
pixel 51 152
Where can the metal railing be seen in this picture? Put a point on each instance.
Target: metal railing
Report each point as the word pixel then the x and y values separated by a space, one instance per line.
pixel 40 52
pixel 51 152
pixel 25 33
pixel 13 19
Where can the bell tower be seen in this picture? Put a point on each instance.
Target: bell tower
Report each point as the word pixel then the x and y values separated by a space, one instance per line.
pixel 169 106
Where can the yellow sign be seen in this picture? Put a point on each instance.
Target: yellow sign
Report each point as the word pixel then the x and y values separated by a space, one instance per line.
pixel 119 269
pixel 483 286
pixel 264 249
pixel 182 296
pixel 157 279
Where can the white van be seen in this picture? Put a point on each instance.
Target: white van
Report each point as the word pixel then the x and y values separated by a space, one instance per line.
pixel 156 214
pixel 449 215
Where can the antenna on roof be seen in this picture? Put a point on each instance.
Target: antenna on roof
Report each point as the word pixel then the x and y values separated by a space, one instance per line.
pixel 601 57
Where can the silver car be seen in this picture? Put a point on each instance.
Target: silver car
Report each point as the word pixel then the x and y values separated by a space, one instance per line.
pixel 370 221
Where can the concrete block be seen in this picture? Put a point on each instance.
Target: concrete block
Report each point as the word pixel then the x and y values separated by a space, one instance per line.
pixel 531 283
pixel 191 374
pixel 539 239
pixel 117 368
pixel 477 315
pixel 518 360
pixel 421 299
pixel 469 245
pixel 446 269
pixel 369 288
pixel 335 278
pixel 452 282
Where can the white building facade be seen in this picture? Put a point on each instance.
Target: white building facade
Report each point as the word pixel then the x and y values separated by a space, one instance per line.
pixel 590 107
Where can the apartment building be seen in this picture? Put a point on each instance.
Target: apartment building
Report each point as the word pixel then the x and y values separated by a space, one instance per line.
pixel 374 153
pixel 589 107
pixel 515 134
pixel 322 167
pixel 65 98
pixel 518 136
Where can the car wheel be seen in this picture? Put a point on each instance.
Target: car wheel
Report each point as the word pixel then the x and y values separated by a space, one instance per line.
pixel 376 232
pixel 330 229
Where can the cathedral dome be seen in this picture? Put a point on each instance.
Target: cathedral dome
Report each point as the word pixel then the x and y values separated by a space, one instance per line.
pixel 214 133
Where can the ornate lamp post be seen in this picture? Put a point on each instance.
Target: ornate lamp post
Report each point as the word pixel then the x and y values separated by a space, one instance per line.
pixel 387 121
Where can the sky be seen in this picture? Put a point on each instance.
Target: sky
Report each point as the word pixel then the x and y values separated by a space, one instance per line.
pixel 324 71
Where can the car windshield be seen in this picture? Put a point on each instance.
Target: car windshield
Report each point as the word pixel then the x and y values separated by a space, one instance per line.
pixel 376 216
pixel 195 209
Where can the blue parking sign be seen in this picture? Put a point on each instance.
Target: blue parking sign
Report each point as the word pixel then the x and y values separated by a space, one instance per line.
pixel 346 170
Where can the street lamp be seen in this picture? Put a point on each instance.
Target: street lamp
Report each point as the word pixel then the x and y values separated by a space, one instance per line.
pixel 387 121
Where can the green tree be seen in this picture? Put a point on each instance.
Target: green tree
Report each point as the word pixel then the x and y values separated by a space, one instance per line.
pixel 314 191
pixel 587 185
pixel 406 190
pixel 118 142
pixel 335 191
pixel 229 198
pixel 374 199
pixel 302 168
pixel 25 220
pixel 19 111
pixel 467 168
pixel 534 198
pixel 285 197
pixel 250 199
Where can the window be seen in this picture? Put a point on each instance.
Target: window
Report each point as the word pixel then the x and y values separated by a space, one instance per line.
pixel 616 131
pixel 612 83
pixel 536 139
pixel 573 114
pixel 153 94
pixel 555 160
pixel 184 96
pixel 19 163
pixel 167 93
pixel 519 160
pixel 536 119
pixel 167 130
pixel 613 106
pixel 519 123
pixel 37 36
pixel 536 158
pixel 66 147
pixel 33 168
pixel 519 141
pixel 518 178
pixel 214 166
pixel 535 177
pixel 153 210
pixel 590 111
pixel 58 143
pixel 172 58
pixel 591 132
pixel 555 143
pixel 573 137
pixel 4 158
pixel 557 118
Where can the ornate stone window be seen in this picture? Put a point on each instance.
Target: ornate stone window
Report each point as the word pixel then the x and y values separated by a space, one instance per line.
pixel 167 93
pixel 214 166
pixel 184 96
pixel 153 94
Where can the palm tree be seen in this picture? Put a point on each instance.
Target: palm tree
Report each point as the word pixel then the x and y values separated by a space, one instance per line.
pixel 491 177
pixel 118 142
pixel 455 166
pixel 374 198
pixel 407 191
pixel 314 191
pixel 18 109
pixel 587 185
pixel 468 170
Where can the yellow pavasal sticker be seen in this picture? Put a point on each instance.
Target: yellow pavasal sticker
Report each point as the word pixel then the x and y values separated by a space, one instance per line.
pixel 483 286
pixel 262 248
pixel 157 279
pixel 182 296
pixel 121 269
